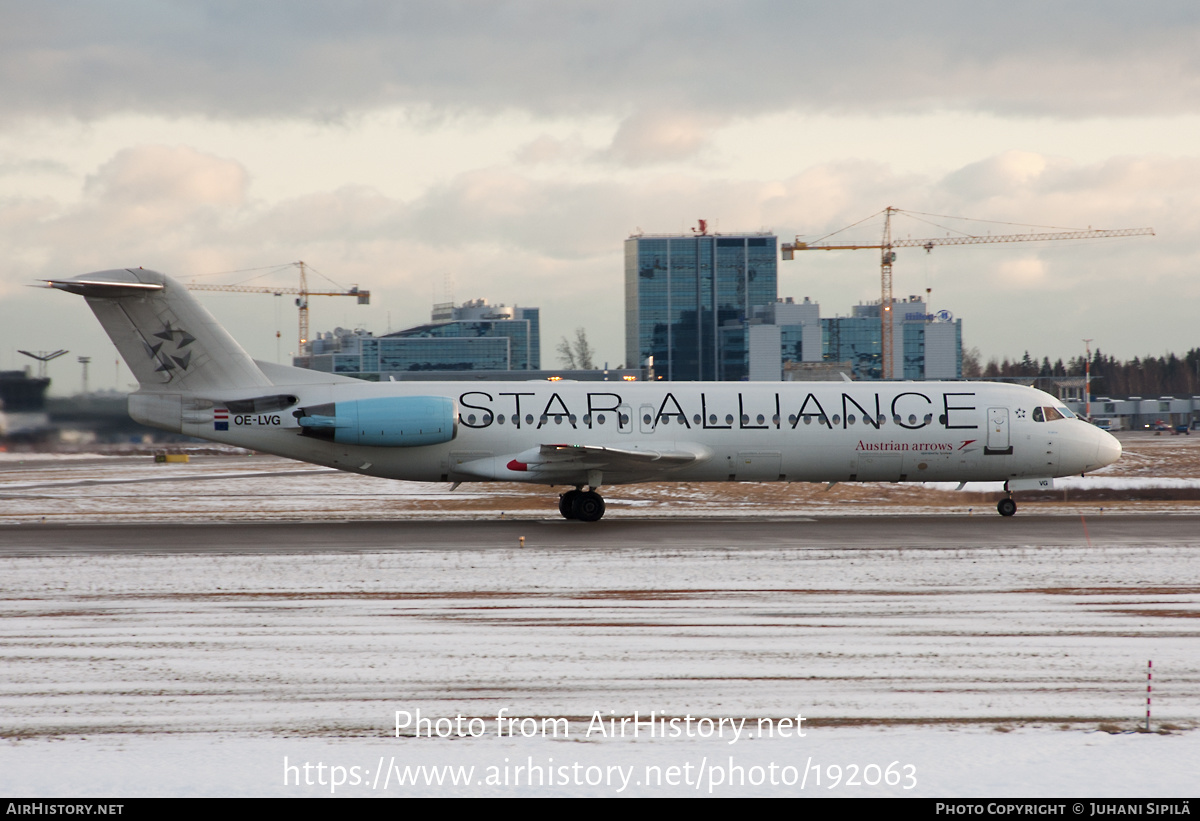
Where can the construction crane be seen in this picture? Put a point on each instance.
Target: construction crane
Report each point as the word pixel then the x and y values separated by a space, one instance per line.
pixel 888 256
pixel 364 298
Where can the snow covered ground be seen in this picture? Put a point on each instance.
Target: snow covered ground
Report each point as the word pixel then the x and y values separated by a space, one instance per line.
pixel 979 671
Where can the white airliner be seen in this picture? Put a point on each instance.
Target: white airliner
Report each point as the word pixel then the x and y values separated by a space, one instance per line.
pixel 195 379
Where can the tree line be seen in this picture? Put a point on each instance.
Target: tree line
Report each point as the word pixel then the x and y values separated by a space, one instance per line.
pixel 1168 375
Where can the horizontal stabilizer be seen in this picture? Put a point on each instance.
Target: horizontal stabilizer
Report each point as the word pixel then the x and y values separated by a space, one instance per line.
pixel 90 285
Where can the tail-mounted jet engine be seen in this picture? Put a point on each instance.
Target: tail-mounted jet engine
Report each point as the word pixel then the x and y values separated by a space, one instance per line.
pixel 391 421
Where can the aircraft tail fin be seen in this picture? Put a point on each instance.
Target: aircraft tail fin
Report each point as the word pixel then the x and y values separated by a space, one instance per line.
pixel 167 338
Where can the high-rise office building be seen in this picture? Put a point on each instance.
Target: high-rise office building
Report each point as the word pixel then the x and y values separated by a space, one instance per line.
pixel 689 299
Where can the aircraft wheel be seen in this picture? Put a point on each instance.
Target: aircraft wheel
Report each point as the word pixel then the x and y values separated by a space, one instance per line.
pixel 566 504
pixel 1006 506
pixel 588 507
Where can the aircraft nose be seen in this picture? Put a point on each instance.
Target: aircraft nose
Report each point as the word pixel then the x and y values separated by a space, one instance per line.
pixel 1108 449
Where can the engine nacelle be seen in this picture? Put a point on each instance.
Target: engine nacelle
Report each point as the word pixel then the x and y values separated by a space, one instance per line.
pixel 386 421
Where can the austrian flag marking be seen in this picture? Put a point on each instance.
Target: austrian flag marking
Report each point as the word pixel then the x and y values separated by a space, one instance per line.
pixel 220 419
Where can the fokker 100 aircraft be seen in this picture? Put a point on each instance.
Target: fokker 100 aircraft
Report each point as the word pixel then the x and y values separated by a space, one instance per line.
pixel 195 379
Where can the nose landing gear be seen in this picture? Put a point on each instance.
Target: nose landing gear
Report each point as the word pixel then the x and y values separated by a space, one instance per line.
pixel 1006 506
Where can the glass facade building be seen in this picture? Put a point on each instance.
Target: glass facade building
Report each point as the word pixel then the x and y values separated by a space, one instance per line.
pixel 931 346
pixel 366 357
pixel 522 335
pixel 475 336
pixel 689 298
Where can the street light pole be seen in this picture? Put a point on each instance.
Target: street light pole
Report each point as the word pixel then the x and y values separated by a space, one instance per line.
pixel 1087 380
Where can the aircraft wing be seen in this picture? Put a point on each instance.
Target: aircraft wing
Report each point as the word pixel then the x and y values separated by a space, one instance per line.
pixel 568 464
pixel 600 457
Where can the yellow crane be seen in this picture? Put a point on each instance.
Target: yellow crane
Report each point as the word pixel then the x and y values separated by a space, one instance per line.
pixel 364 298
pixel 888 256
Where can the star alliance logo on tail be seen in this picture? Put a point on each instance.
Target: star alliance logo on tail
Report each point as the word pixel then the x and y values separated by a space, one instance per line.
pixel 168 362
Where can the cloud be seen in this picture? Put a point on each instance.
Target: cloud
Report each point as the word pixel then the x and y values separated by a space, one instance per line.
pixel 143 205
pixel 545 150
pixel 556 240
pixel 300 60
pixel 34 166
pixel 1023 273
pixel 176 175
pixel 661 136
pixel 999 175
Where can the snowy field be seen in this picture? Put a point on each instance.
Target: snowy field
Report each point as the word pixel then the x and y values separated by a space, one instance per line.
pixel 971 671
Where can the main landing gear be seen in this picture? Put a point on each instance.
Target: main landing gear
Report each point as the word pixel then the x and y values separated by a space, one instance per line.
pixel 584 505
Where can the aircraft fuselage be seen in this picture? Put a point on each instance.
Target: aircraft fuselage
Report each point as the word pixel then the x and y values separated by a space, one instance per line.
pixel 815 432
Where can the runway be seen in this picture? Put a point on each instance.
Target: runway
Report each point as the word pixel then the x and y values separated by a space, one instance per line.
pixel 928 532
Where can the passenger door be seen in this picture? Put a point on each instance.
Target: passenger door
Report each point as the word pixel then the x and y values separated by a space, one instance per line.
pixel 998 437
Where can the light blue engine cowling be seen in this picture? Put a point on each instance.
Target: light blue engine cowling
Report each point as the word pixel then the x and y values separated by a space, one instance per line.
pixel 389 421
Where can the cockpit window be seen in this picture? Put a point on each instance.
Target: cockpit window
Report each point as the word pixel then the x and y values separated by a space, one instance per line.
pixel 1049 414
pixel 1066 412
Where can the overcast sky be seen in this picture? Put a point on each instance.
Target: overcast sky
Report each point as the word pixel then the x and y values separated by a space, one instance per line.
pixel 436 150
